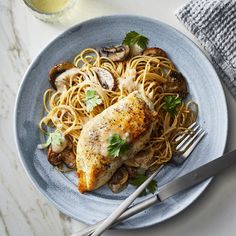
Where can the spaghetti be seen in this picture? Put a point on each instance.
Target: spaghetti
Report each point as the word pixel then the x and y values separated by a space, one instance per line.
pixel 66 109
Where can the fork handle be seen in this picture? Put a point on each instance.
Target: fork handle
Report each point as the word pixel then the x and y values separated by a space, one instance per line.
pixel 87 231
pixel 124 205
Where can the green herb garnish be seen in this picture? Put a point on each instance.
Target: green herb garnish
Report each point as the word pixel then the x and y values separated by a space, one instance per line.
pixel 91 100
pixel 171 103
pixel 139 179
pixel 117 146
pixel 133 38
pixel 54 138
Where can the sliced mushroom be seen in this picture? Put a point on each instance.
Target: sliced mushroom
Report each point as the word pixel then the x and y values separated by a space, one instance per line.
pixel 142 160
pixel 65 156
pixel 62 80
pixel 57 70
pixel 69 158
pixel 115 53
pixel 54 158
pixel 119 180
pixel 176 83
pixel 59 75
pixel 132 171
pixel 105 78
pixel 154 52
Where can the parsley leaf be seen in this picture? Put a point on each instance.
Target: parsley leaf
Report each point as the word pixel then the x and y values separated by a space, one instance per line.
pixel 139 179
pixel 54 138
pixel 91 100
pixel 171 103
pixel 152 186
pixel 133 38
pixel 117 146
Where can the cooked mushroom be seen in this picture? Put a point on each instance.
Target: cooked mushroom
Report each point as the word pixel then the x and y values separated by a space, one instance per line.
pixel 143 159
pixel 57 70
pixel 154 52
pixel 133 171
pixel 65 155
pixel 105 78
pixel 54 158
pixel 59 73
pixel 119 180
pixel 69 158
pixel 116 53
pixel 176 83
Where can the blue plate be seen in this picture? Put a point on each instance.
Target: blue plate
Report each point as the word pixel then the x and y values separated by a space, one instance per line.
pixel 61 189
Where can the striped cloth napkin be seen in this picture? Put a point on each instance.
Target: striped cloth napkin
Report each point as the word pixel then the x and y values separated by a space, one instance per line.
pixel 213 22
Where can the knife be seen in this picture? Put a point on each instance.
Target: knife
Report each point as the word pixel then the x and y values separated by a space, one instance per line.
pixel 175 186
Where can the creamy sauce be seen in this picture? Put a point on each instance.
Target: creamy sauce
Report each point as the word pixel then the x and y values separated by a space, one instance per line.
pixel 49 6
pixel 60 147
pixel 135 50
pixel 128 82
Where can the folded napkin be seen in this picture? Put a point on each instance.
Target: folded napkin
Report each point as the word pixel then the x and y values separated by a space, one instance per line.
pixel 213 22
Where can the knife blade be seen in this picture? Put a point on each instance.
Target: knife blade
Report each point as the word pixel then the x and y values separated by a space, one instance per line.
pixel 175 186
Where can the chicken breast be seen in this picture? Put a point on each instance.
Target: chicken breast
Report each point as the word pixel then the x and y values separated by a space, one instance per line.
pixel 132 119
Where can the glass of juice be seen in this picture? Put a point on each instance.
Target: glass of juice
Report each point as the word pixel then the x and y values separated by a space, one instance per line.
pixel 50 10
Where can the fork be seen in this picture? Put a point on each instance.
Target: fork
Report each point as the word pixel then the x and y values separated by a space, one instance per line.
pixel 185 145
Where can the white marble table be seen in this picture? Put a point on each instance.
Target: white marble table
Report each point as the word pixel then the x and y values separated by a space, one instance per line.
pixel 23 210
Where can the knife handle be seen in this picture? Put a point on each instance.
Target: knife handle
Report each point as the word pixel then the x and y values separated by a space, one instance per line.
pixel 128 213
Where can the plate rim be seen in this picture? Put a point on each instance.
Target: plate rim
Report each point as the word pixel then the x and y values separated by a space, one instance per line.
pixel 64 33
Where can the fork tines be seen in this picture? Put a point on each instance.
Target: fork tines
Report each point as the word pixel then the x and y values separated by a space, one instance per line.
pixel 187 142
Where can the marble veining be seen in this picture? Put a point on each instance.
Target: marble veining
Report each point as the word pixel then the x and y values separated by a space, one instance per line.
pixel 23 210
